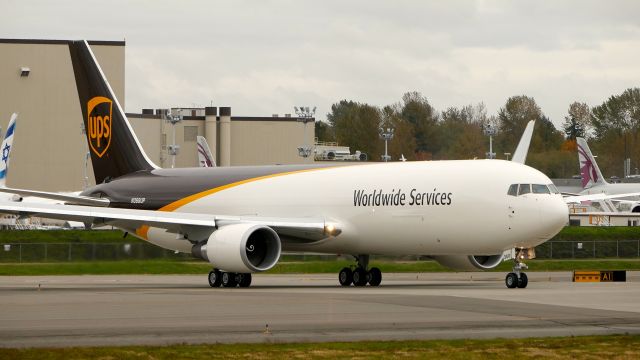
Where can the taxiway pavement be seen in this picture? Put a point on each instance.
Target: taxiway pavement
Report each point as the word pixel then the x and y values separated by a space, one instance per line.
pixel 57 311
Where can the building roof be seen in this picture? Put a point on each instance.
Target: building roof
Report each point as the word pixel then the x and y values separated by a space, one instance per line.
pixel 60 42
pixel 233 118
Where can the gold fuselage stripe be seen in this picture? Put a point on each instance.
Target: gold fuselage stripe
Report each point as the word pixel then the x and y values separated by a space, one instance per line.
pixel 143 230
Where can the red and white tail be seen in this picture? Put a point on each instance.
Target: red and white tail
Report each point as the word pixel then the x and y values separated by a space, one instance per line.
pixel 204 154
pixel 589 170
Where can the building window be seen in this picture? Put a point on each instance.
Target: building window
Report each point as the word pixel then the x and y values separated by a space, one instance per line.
pixel 190 133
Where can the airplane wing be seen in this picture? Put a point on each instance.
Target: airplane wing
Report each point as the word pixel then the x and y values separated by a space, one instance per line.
pixel 596 197
pixel 311 229
pixel 72 199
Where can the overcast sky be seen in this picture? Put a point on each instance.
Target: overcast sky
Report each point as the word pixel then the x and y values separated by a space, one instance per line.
pixel 264 57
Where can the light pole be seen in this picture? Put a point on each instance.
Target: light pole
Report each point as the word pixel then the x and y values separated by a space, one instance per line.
pixel 386 135
pixel 627 160
pixel 305 116
pixel 173 149
pixel 490 131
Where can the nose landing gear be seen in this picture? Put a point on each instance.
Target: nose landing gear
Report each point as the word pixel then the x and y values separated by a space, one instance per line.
pixel 360 276
pixel 517 278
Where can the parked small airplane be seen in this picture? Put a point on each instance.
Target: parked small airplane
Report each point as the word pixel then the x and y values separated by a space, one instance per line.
pixel 465 214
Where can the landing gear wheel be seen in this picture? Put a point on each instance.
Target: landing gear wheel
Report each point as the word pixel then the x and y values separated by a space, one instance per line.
pixel 245 280
pixel 215 278
pixel 229 279
pixel 523 281
pixel 360 277
pixel 375 276
pixel 511 280
pixel 345 277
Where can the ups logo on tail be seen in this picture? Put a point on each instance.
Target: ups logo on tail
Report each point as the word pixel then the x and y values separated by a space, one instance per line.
pixel 99 110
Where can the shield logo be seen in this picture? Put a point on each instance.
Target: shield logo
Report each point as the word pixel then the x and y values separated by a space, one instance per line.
pixel 99 121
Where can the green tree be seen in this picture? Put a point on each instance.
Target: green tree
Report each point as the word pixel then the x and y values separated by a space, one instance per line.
pixel 577 122
pixel 356 125
pixel 616 130
pixel 404 141
pixel 460 132
pixel 324 131
pixel 417 111
pixel 545 136
pixel 619 113
pixel 513 118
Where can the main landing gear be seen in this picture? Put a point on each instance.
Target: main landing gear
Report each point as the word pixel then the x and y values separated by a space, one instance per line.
pixel 360 276
pixel 517 278
pixel 228 279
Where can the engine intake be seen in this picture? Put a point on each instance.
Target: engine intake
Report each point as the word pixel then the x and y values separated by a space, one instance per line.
pixel 241 248
pixel 469 263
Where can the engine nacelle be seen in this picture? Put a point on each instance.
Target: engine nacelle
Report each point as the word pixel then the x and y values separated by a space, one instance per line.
pixel 241 248
pixel 469 263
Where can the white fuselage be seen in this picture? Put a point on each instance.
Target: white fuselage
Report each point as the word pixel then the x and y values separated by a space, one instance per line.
pixel 433 207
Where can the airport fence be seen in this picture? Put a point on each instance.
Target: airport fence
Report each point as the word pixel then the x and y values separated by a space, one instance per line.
pixel 69 252
pixel 589 249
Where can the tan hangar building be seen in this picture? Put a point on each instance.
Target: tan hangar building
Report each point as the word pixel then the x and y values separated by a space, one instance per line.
pixel 49 149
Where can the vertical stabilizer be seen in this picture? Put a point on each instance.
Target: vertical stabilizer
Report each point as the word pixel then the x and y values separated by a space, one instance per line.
pixel 520 155
pixel 115 149
pixel 205 159
pixel 6 146
pixel 589 170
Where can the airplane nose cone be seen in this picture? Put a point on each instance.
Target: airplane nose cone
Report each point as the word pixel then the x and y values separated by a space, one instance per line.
pixel 554 215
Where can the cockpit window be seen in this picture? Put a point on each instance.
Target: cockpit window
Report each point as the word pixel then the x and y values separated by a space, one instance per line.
pixel 540 189
pixel 524 189
pixel 553 189
pixel 521 189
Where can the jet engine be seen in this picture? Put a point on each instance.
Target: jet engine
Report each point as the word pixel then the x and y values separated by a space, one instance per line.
pixel 241 248
pixel 471 262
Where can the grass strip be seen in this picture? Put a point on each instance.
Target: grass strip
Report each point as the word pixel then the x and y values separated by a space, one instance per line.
pixel 590 347
pixel 163 267
pixel 569 233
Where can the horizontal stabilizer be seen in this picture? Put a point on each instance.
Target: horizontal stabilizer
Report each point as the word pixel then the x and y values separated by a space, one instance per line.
pixel 596 197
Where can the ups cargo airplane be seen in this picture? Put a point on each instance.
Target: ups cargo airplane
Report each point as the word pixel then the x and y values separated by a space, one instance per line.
pixel 464 214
